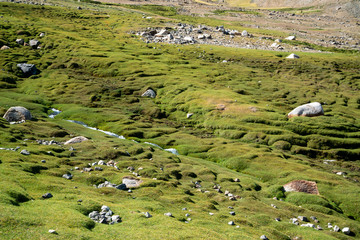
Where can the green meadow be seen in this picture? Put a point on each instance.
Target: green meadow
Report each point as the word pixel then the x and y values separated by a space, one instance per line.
pixel 94 69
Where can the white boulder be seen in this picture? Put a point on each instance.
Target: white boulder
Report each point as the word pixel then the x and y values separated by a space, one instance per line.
pixel 307 110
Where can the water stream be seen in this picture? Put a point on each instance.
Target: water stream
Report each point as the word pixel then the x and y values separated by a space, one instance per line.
pixel 56 112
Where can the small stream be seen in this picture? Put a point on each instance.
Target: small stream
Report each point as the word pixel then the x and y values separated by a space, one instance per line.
pixel 56 112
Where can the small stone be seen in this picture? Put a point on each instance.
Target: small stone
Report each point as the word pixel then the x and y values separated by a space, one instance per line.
pixel 230 207
pixel 79 201
pixel 52 231
pixel 98 169
pixel 277 219
pixel 101 162
pixel 211 214
pixel 129 191
pixel 231 223
pixel 189 115
pixel 275 198
pixel 236 180
pixel 147 215
pixel 43 161
pixel 319 227
pixel 336 228
pixel 168 214
pixel 184 209
pixel 232 213
pixel 25 152
pixel 20 41
pixel 274 206
pixel 293 56
pixel 291 38
pixel 304 219
pixel 308 225
pixel 47 195
pixel 105 208
pixel 115 219
pixel 346 230
pixel 77 168
pixel 187 215
pixel 263 237
pixel 67 176
pixel 313 218
pixel 42 34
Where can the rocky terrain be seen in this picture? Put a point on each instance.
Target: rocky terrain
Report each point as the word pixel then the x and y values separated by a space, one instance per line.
pixel 192 121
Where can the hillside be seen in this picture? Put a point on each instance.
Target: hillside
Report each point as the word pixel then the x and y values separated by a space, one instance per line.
pixel 212 144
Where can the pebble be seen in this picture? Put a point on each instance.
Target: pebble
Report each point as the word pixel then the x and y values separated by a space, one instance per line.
pixel 263 237
pixel 147 215
pixel 168 214
pixel 67 176
pixel 47 195
pixel 52 231
pixel 43 161
pixel 25 152
pixel 211 214
pixel 187 215
pixel 232 213
pixel 231 223
pixel 336 228
pixel 277 219
pixel 302 218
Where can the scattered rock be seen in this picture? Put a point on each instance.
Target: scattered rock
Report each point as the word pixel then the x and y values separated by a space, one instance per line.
pixel 301 186
pixel 98 169
pixel 149 93
pixel 131 182
pixel 78 139
pixel 292 56
pixel 307 110
pixel 231 223
pixel 304 219
pixel 28 69
pixel 105 216
pixel 308 225
pixel 244 33
pixel 346 230
pixel 263 237
pixel 147 215
pixel 25 152
pixel 42 34
pixel 47 195
pixel 43 161
pixel 232 213
pixel 336 228
pixel 17 114
pixel 189 115
pixel 4 47
pixel 20 41
pixel 277 219
pixel 168 214
pixel 52 231
pixel 34 43
pixel 67 176
pixel 291 38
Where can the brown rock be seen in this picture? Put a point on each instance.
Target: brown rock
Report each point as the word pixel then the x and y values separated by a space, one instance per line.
pixel 302 186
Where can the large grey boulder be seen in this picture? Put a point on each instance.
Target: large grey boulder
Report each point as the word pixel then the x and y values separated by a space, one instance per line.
pixel 28 69
pixel 307 110
pixel 17 114
pixel 78 139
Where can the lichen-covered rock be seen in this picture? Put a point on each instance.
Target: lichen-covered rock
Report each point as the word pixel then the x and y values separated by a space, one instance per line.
pixel 307 110
pixel 16 114
pixel 78 139
pixel 301 186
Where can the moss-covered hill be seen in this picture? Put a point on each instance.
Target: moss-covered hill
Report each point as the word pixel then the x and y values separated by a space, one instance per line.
pixel 94 70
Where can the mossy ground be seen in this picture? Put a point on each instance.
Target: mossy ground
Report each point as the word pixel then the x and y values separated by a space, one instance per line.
pixel 94 70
